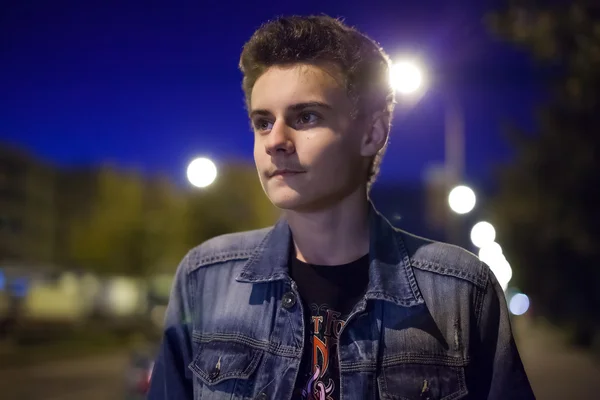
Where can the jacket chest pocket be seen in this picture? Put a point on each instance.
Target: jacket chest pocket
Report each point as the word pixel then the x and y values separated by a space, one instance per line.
pixel 224 370
pixel 422 378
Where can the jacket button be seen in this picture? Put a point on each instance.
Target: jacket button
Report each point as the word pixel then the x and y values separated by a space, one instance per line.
pixel 262 396
pixel 288 300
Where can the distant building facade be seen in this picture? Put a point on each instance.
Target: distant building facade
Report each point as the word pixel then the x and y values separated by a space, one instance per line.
pixel 28 214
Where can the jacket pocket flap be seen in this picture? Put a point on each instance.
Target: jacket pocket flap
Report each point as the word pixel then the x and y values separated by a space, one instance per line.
pixel 218 361
pixel 423 377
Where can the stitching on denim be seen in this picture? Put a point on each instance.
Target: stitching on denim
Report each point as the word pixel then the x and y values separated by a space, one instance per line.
pixel 246 372
pixel 358 366
pixel 479 300
pixel 255 254
pixel 267 346
pixel 406 260
pixel 394 299
pixel 382 382
pixel 289 318
pixel 429 359
pixel 436 267
pixel 272 277
pixel 223 257
pixel 261 247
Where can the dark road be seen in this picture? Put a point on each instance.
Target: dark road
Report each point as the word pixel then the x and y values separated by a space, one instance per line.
pixel 555 370
pixel 91 379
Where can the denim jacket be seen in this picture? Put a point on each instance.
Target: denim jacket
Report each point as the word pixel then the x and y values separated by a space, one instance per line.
pixel 433 324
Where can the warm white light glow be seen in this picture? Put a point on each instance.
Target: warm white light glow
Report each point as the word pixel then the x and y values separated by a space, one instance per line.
pixel 406 77
pixel 201 172
pixel 483 233
pixel 490 251
pixel 491 254
pixel 462 199
pixel 502 271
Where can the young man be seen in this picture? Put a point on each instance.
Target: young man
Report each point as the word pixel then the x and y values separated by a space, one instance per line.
pixel 332 302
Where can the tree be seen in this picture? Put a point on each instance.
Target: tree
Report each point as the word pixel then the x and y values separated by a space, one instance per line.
pixel 165 225
pixel 105 231
pixel 547 210
pixel 117 222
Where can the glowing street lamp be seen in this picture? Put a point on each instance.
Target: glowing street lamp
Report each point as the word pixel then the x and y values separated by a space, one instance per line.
pixel 482 234
pixel 406 77
pixel 491 254
pixel 201 172
pixel 462 199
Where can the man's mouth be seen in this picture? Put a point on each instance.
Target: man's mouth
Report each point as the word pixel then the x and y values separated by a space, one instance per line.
pixel 285 173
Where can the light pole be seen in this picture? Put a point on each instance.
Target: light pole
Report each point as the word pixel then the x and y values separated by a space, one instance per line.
pixel 408 78
pixel 454 138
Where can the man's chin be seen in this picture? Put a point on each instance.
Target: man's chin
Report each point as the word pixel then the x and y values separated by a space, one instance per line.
pixel 286 198
pixel 288 203
pixel 296 202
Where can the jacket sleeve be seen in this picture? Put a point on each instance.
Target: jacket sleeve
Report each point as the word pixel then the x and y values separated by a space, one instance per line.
pixel 171 378
pixel 498 368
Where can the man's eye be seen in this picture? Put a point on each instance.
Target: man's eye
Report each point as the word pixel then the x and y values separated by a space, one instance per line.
pixel 308 118
pixel 263 125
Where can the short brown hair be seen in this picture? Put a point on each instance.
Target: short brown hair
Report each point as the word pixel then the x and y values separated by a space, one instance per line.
pixel 317 39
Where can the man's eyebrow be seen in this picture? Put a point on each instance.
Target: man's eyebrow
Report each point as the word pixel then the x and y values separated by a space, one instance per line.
pixel 263 113
pixel 310 104
pixel 294 107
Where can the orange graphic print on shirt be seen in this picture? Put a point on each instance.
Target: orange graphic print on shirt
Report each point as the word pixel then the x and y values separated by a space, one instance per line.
pixel 325 328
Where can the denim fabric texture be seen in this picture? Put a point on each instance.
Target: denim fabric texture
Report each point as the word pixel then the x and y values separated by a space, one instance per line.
pixel 433 324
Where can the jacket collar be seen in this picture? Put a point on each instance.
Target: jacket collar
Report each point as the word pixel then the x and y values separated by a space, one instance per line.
pixel 391 277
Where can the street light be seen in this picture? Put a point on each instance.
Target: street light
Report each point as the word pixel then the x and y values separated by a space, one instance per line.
pixel 519 304
pixel 491 254
pixel 201 172
pixel 502 271
pixel 406 77
pixel 483 233
pixel 462 199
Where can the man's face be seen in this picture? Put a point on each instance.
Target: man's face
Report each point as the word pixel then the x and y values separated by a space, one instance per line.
pixel 307 147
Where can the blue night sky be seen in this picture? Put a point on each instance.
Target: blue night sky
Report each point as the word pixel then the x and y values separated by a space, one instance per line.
pixel 152 84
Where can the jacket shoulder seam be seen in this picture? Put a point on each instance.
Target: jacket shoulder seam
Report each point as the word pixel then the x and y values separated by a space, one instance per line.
pixel 476 279
pixel 218 258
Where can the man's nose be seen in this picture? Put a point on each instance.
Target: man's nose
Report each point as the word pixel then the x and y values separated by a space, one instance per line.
pixel 279 139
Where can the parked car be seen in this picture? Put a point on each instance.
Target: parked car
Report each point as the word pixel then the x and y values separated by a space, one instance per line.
pixel 139 372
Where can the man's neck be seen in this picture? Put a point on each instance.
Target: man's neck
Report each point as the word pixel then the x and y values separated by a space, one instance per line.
pixel 335 236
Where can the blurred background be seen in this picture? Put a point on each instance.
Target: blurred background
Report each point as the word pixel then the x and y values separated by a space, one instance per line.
pixel 124 143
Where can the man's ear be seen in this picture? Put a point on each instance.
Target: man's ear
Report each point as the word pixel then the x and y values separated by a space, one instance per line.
pixel 376 135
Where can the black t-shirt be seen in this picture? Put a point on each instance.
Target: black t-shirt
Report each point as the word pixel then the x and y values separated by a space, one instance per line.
pixel 329 293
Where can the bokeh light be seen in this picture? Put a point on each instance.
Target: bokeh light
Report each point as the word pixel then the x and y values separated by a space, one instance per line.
pixel 491 254
pixel 201 172
pixel 462 199
pixel 519 304
pixel 483 233
pixel 490 251
pixel 406 77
